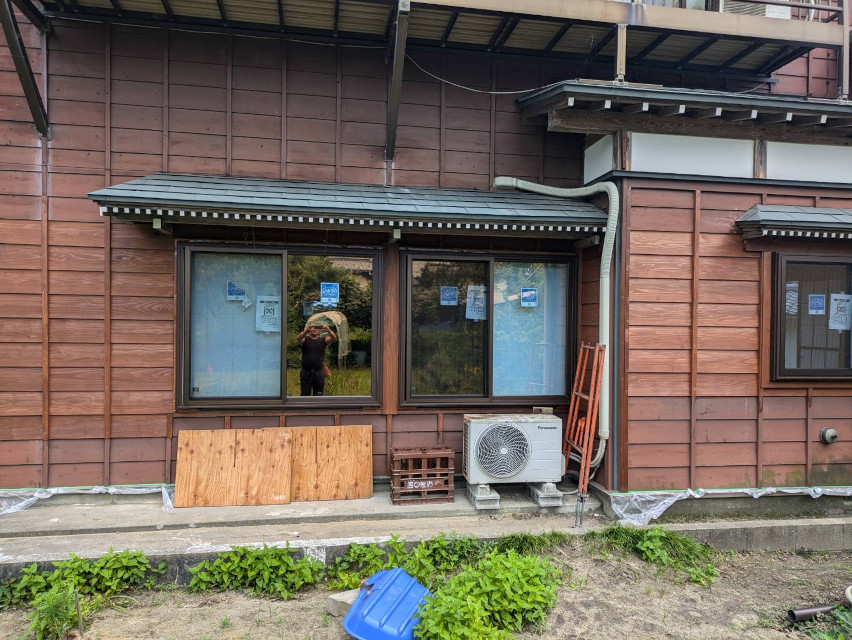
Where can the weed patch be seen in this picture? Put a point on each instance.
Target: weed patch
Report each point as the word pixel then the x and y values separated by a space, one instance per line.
pixel 265 571
pixel 501 593
pixel 666 549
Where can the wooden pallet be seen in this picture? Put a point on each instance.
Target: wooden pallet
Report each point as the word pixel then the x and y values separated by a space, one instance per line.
pixel 422 475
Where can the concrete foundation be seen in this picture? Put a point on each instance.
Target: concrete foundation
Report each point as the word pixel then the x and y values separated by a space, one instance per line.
pixel 483 496
pixel 545 494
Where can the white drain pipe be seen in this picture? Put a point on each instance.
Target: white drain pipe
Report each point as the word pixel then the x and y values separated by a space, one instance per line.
pixel 604 322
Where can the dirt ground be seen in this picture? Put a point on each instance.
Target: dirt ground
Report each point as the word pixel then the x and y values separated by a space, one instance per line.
pixel 603 597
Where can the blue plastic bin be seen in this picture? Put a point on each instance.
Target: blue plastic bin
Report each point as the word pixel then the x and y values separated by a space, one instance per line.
pixel 386 608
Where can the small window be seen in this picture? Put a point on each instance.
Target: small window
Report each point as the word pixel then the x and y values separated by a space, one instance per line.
pixel 488 328
pixel 267 327
pixel 813 318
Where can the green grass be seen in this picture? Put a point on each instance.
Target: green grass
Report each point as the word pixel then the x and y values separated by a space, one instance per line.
pixel 352 381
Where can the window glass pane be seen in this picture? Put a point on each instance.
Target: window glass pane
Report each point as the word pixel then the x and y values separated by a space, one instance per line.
pixel 334 294
pixel 817 318
pixel 449 327
pixel 235 318
pixel 530 330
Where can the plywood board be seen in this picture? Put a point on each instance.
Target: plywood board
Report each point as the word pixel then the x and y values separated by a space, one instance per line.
pixel 304 483
pixel 204 473
pixel 344 462
pixel 263 466
pixel 232 467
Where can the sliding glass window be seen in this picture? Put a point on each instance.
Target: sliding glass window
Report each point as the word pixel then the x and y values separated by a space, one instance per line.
pixel 265 327
pixel 495 329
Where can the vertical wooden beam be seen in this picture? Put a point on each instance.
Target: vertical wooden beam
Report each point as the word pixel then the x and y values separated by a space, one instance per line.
pixel 390 329
pixel 166 38
pixel 441 428
pixel 763 352
pixel 22 65
pixel 809 414
pixel 693 368
pixel 759 169
pixel 107 256
pixel 492 129
pixel 283 170
pixel 395 90
pixel 45 288
pixel 227 422
pixel 623 325
pixel 339 65
pixel 229 85
pixel 170 429
pixel 843 55
pixel 442 139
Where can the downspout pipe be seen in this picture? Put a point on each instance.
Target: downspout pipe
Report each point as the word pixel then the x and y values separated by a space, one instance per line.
pixel 604 320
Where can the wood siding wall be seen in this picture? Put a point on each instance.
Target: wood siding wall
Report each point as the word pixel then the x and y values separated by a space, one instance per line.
pixel 701 410
pixel 87 304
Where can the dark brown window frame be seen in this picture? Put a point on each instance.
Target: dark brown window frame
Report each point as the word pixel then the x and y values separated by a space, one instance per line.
pixel 182 377
pixel 406 399
pixel 779 270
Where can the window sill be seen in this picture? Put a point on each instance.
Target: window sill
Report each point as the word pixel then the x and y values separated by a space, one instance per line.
pixel 329 403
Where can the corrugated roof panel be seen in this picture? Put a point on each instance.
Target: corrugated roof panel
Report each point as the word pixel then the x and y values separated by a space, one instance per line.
pixel 99 4
pixel 475 29
pixel 718 53
pixel 427 24
pixel 638 40
pixel 362 17
pixel 533 34
pixel 759 58
pixel 581 39
pixel 145 6
pixel 261 11
pixel 675 47
pixel 316 14
pixel 196 8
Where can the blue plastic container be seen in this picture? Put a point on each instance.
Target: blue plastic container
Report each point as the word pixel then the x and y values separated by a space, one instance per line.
pixel 386 608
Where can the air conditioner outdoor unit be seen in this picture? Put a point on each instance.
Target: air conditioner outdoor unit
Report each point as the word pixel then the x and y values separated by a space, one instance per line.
pixel 754 9
pixel 513 448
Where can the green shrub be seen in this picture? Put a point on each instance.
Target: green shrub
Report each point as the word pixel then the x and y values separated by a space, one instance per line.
pixel 503 592
pixel 109 575
pixel 666 549
pixel 841 626
pixel 269 571
pixel 55 612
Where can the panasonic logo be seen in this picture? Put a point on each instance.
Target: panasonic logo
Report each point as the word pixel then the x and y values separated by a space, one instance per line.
pixel 541 426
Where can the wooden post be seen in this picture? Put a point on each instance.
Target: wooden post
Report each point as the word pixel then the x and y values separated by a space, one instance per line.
pixel 395 91
pixel 843 54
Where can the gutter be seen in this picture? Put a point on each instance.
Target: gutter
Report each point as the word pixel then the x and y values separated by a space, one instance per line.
pixel 604 320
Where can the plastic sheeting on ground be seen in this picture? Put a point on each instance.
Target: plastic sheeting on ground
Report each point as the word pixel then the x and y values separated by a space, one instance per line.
pixel 639 509
pixel 14 500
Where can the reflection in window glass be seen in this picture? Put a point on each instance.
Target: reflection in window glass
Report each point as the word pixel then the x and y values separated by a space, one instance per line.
pixel 817 317
pixel 449 327
pixel 530 330
pixel 235 318
pixel 334 295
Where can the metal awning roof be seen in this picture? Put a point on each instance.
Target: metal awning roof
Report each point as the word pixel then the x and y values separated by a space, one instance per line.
pixel 635 107
pixel 791 221
pixel 198 199
pixel 580 31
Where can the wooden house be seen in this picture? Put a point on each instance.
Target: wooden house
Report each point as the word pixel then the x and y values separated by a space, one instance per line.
pixel 179 181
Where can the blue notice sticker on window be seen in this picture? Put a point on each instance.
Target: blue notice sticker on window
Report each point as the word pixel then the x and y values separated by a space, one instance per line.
pixel 529 297
pixel 329 292
pixel 449 296
pixel 235 292
pixel 816 305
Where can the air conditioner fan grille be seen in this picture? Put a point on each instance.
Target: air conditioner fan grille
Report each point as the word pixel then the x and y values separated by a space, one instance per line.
pixel 502 451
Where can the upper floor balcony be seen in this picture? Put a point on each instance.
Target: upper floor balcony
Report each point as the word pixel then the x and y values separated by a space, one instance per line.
pixel 641 41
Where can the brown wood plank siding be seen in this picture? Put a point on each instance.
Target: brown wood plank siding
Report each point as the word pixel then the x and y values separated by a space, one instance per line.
pixel 98 351
pixel 716 435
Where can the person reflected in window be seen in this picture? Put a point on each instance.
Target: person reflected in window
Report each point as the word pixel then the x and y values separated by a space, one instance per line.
pixel 314 339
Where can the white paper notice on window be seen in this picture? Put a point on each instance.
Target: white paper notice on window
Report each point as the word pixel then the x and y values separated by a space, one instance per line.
pixel 268 313
pixel 475 305
pixel 840 312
